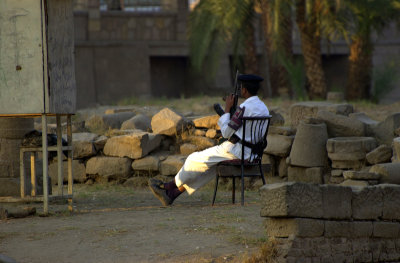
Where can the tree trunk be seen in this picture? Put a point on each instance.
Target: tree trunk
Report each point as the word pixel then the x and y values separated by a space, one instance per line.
pixel 360 68
pixel 273 67
pixel 250 60
pixel 311 48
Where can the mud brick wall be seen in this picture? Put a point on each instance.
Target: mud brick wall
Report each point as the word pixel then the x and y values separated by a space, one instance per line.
pixel 331 223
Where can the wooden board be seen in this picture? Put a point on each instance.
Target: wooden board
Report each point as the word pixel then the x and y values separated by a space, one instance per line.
pixel 21 57
pixel 60 49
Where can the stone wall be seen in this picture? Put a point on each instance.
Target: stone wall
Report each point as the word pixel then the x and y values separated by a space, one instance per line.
pixel 327 223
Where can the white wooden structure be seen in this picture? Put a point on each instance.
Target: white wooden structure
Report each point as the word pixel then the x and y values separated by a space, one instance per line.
pixel 37 73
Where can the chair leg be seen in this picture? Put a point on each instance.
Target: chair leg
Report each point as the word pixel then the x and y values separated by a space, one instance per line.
pixel 233 190
pixel 262 174
pixel 242 190
pixel 215 190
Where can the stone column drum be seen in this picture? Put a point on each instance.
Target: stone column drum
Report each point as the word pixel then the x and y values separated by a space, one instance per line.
pixel 12 131
pixel 309 146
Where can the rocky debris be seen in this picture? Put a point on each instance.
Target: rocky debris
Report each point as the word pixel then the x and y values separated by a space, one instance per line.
pixel 335 96
pixel 21 212
pixel 309 145
pixel 109 167
pixel 300 111
pixel 169 123
pixel 368 123
pixel 83 144
pixel 396 150
pixel 279 145
pixel 108 121
pixel 119 110
pixel 381 154
pixel 99 142
pixel 277 118
pixel 385 131
pixel 281 130
pixel 200 141
pixel 3 213
pixel 199 132
pixel 208 122
pixel 140 121
pixel 340 125
pixel 187 148
pixel 389 172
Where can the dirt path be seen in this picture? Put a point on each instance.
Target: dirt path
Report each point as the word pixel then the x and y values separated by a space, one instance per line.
pixel 118 224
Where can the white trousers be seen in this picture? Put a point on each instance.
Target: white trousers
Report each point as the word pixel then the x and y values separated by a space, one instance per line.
pixel 200 167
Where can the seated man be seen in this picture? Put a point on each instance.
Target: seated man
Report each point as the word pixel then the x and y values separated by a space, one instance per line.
pixel 200 167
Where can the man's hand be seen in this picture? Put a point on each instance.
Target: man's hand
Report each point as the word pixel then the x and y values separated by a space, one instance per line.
pixel 230 99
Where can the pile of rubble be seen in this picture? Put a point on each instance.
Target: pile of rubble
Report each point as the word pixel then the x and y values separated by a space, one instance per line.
pixel 321 143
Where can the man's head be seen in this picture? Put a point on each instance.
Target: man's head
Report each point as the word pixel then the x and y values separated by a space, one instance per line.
pixel 250 82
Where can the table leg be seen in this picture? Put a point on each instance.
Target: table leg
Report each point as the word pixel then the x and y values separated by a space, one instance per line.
pixel 45 165
pixel 60 157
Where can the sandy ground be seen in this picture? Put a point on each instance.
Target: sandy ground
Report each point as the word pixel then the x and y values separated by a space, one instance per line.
pixel 112 223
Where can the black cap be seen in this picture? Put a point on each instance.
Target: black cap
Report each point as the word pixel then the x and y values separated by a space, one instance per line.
pixel 250 78
pixel 250 82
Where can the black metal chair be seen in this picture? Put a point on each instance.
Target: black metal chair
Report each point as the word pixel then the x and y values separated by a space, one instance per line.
pixel 252 167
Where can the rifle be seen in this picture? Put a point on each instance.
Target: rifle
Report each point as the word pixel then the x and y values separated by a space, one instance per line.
pixel 218 108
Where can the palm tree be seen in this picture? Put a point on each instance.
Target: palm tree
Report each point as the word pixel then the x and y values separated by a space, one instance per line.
pixel 277 24
pixel 363 17
pixel 213 25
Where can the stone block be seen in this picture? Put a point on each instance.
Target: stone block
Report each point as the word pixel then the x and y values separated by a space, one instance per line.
pixel 172 165
pixel 360 175
pixel 108 121
pixel 134 146
pixel 391 203
pixel 362 229
pixel 291 200
pixel 169 123
pixel 367 203
pixel 282 130
pixel 140 122
pixel 78 172
pixel 148 163
pixel 209 122
pixel 336 201
pixel 350 145
pixel 100 142
pixel 200 141
pixel 385 130
pixel 109 167
pixel 305 175
pixel 382 154
pixel 340 125
pixel 386 229
pixel 187 148
pixel 358 183
pixel 279 145
pixel 389 172
pixel 348 164
pixel 298 227
pixel 198 132
pixel 300 111
pixel 338 229
pixel 309 145
pixel 396 150
pixel 337 173
pixel 211 133
pixel 10 187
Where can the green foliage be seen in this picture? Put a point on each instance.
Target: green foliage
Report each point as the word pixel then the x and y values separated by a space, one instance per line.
pixel 384 80
pixel 297 79
pixel 212 26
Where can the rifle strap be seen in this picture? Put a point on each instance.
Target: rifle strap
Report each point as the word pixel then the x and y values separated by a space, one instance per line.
pixel 236 120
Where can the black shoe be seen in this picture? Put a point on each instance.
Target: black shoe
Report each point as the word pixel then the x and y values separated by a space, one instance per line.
pixel 157 187
pixel 218 109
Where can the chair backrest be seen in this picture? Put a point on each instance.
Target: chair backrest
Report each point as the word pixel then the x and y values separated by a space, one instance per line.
pixel 258 128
